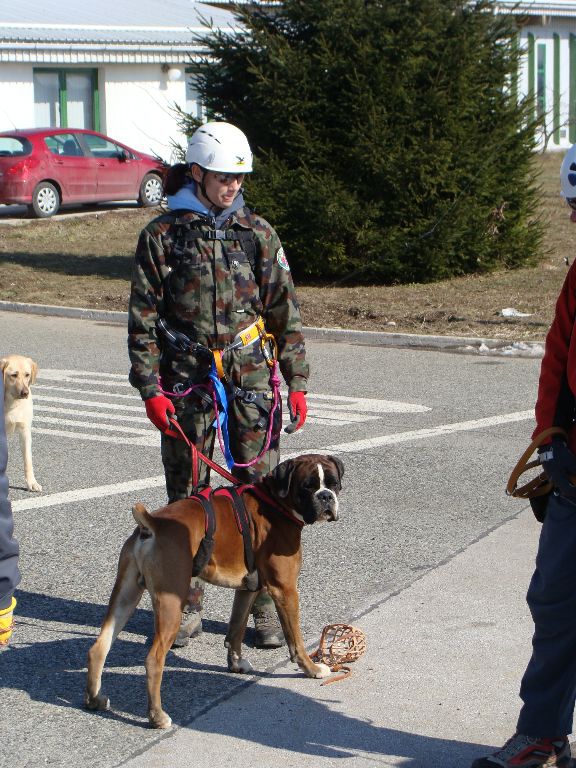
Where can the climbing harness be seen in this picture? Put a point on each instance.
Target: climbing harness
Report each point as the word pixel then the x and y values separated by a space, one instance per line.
pixel 340 645
pixel 218 392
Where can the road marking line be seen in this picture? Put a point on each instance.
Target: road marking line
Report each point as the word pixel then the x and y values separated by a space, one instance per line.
pixel 422 434
pixel 120 395
pixel 93 403
pixel 364 404
pixel 93 414
pixel 100 425
pixel 83 494
pixel 150 442
pixel 62 374
pixel 336 419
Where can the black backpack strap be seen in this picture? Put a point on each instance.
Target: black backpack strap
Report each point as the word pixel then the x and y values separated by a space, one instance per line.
pixel 187 230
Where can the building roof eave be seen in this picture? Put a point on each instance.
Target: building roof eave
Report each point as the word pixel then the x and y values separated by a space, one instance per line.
pixel 85 53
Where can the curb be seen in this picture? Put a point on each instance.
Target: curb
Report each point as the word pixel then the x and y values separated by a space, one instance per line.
pixel 461 344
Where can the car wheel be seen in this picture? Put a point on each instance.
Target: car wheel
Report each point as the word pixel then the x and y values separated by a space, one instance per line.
pixel 151 192
pixel 45 200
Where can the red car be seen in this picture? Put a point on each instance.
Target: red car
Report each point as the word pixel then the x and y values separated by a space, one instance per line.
pixel 45 168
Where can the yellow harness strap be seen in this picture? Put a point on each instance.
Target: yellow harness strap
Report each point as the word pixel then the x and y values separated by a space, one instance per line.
pixel 252 333
pixel 255 331
pixel 218 363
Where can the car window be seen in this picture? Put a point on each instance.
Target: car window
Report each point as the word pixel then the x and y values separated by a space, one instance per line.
pixel 100 147
pixel 63 144
pixel 14 146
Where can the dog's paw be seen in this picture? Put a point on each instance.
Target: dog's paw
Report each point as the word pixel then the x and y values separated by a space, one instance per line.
pixel 160 720
pixel 34 485
pixel 238 665
pixel 321 670
pixel 242 667
pixel 99 702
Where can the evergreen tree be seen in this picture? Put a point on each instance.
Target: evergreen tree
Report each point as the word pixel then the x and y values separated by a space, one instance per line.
pixel 390 144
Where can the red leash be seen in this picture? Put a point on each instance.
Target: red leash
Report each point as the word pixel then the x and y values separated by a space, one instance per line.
pixel 197 455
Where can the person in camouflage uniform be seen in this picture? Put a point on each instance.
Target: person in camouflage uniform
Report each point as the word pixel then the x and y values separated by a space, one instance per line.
pixel 209 269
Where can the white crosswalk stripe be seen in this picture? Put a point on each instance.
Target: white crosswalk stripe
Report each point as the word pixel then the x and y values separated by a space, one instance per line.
pixel 103 407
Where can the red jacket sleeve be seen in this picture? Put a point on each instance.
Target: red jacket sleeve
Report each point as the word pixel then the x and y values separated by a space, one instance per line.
pixel 559 355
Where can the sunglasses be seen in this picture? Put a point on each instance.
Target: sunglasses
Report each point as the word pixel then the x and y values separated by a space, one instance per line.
pixel 228 178
pixel 571 202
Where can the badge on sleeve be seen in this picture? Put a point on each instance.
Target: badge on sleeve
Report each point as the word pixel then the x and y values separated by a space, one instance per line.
pixel 282 260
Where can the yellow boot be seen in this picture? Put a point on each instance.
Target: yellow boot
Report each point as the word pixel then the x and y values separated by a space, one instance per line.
pixel 7 623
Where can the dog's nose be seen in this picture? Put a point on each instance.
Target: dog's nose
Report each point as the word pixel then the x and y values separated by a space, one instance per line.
pixel 24 394
pixel 326 497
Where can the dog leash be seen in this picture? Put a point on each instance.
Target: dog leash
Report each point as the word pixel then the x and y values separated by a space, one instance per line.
pixel 340 645
pixel 178 432
pixel 197 455
pixel 539 485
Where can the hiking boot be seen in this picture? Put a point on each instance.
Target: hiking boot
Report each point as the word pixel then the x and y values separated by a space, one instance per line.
pixel 525 752
pixel 7 623
pixel 268 631
pixel 190 627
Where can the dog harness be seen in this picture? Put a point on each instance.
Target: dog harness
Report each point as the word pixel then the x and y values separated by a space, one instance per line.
pixel 243 522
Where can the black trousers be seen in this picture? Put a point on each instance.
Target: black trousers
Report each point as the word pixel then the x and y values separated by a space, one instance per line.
pixel 9 572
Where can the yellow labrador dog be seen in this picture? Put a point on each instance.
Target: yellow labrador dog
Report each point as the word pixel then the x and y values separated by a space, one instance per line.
pixel 19 374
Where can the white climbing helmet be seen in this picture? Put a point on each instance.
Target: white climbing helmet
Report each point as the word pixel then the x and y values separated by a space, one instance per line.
pixel 220 147
pixel 568 173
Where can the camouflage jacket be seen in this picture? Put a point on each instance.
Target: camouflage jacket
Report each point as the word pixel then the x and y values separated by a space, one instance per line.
pixel 208 289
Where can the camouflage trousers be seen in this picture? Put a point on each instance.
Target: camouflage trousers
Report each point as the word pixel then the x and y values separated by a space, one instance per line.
pixel 247 437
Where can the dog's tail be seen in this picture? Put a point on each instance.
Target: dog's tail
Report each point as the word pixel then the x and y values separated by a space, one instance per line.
pixel 144 520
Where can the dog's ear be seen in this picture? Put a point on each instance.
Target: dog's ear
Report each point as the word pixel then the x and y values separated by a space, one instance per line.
pixel 283 476
pixel 34 370
pixel 339 465
pixel 3 365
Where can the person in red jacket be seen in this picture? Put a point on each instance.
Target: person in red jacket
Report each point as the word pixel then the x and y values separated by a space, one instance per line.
pixel 548 688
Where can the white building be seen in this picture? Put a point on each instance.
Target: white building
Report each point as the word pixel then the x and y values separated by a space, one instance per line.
pixel 115 66
pixel 548 71
pixel 120 66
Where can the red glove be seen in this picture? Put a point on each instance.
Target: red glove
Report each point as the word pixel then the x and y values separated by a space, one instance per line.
pixel 157 409
pixel 298 408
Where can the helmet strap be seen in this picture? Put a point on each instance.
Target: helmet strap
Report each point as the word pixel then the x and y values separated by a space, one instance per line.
pixel 202 185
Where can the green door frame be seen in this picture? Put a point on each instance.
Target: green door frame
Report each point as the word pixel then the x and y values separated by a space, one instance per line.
pixel 63 94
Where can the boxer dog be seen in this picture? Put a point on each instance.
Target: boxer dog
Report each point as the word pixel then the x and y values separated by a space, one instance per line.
pixel 159 555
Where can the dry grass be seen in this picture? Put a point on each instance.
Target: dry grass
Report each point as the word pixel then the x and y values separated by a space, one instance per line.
pixel 86 262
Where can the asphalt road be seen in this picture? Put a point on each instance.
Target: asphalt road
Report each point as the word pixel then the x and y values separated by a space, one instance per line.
pixel 427 438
